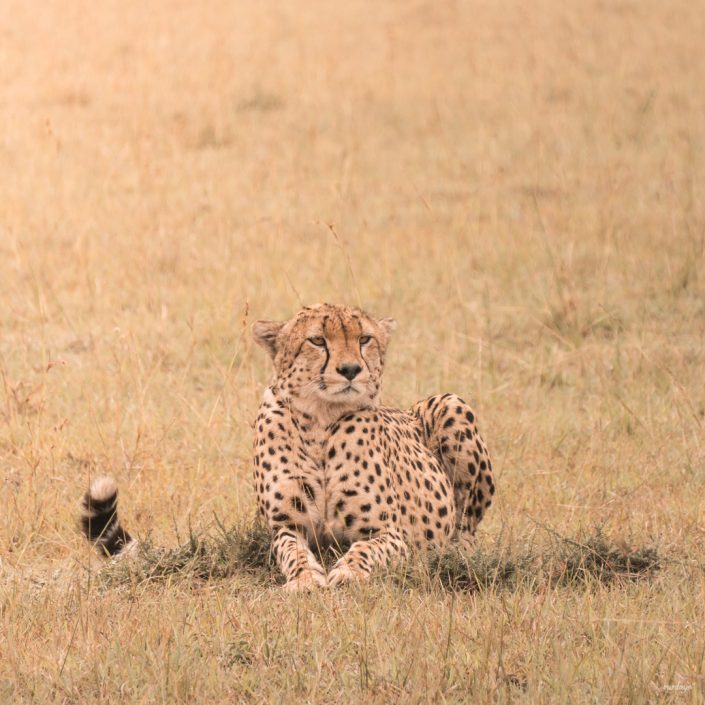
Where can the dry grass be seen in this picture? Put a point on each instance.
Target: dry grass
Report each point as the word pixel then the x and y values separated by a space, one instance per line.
pixel 521 186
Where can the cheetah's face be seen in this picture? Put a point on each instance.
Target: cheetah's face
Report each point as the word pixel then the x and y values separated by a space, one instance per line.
pixel 328 354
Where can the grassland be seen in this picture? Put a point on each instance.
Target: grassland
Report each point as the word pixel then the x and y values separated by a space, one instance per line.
pixel 522 186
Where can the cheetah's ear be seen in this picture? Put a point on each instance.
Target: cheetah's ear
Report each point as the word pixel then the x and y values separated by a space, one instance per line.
pixel 265 334
pixel 388 326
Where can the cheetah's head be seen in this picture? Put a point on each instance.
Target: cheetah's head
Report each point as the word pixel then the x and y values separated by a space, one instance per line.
pixel 327 355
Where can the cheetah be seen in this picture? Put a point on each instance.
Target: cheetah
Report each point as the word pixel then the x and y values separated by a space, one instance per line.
pixel 334 469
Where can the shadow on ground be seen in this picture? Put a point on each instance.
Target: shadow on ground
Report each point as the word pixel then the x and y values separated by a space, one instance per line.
pixel 245 550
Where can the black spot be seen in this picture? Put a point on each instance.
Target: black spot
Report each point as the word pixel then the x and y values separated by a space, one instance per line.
pixel 428 534
pixel 442 511
pixel 349 519
pixel 297 504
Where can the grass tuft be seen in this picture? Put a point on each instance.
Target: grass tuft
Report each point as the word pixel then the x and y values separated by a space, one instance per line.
pixel 245 550
pixel 566 561
pixel 597 558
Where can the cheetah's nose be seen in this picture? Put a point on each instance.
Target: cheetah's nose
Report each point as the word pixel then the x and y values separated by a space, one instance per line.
pixel 349 371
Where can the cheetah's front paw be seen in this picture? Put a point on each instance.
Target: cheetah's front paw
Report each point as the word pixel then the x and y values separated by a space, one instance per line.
pixel 306 580
pixel 345 573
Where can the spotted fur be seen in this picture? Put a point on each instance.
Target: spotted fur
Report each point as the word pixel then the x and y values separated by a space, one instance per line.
pixel 334 468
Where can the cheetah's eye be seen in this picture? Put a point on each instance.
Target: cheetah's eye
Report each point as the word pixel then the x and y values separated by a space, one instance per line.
pixel 318 341
pixel 364 339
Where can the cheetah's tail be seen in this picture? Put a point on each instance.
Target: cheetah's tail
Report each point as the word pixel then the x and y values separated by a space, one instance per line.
pixel 99 519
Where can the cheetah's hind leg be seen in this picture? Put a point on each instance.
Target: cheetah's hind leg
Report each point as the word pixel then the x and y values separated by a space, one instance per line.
pixel 450 431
